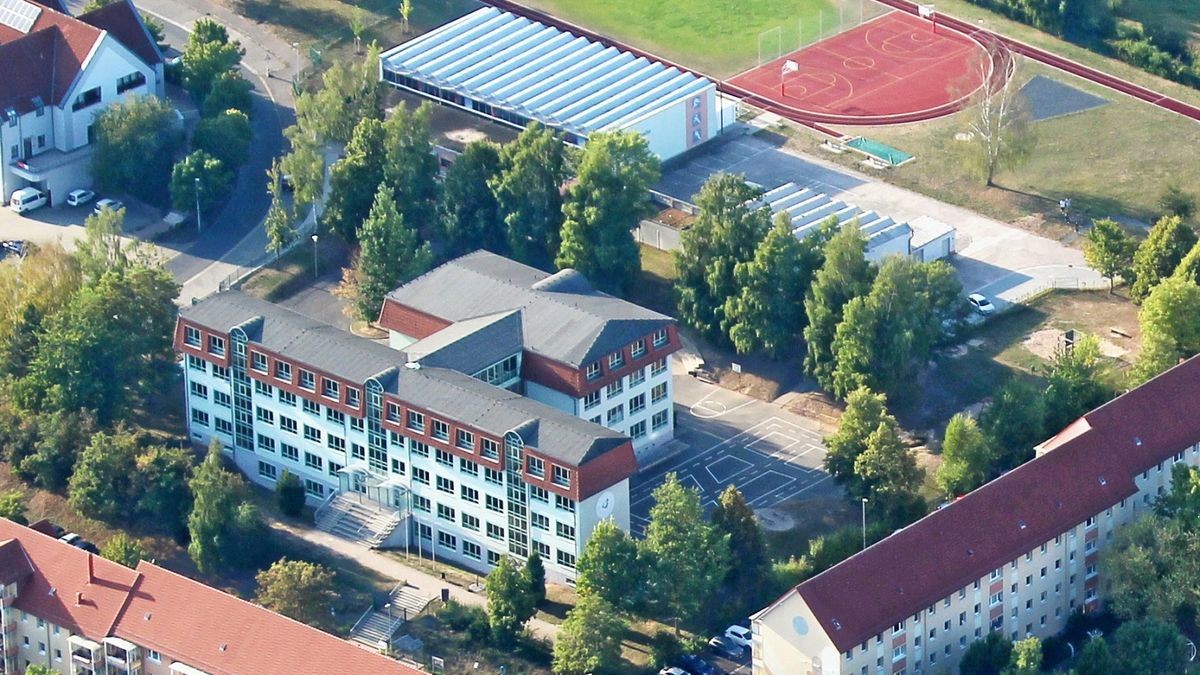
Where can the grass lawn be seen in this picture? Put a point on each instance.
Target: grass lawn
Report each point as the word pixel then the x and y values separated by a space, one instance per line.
pixel 1114 160
pixel 655 285
pixel 718 37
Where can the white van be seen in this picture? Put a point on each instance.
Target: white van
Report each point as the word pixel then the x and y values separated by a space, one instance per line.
pixel 27 199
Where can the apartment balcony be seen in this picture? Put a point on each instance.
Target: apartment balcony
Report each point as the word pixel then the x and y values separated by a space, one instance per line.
pixel 86 655
pixel 121 656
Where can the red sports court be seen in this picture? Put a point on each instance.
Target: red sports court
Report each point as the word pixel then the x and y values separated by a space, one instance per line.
pixel 895 68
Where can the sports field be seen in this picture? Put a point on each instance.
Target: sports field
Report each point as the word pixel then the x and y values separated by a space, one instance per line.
pixel 718 37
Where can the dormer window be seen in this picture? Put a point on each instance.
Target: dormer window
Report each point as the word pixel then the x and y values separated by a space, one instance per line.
pixel 39 106
pixel 11 115
pixel 593 370
pixel 639 348
pixel 616 360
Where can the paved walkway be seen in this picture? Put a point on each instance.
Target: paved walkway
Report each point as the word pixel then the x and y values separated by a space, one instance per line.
pixel 420 582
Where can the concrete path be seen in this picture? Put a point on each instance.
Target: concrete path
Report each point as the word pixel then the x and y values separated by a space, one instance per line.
pixel 419 582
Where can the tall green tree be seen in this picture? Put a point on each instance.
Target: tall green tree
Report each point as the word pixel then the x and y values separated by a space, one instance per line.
pixel 1149 646
pixel 609 566
pixel 689 556
pixel 123 550
pixel 865 413
pixel 225 136
pixel 603 206
pixel 1109 249
pixel 304 165
pixel 844 275
pixel 535 576
pixel 136 142
pixel 410 167
pixel 1175 202
pixel 13 507
pixel 163 473
pixel 20 346
pixel 1026 657
pixel 590 639
pixel 727 232
pixel 225 529
pixel 390 254
pixel 1013 423
pixel 1095 659
pixel 279 223
pixel 1074 387
pixel 229 91
pixel 1170 326
pixel 298 589
pixel 749 561
pixel 768 313
pixel 289 492
pixel 200 174
pixel 509 602
pixel 101 248
pixel 54 448
pixel 999 123
pixel 1149 571
pixel 1160 254
pixel 988 656
pixel 966 457
pixel 468 211
pixel 889 476
pixel 350 92
pixel 355 179
pixel 208 54
pixel 529 191
pixel 104 485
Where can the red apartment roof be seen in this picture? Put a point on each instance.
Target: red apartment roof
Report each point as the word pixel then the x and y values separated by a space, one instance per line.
pixel 220 633
pixel 124 23
pixel 1092 466
pixel 59 589
pixel 14 565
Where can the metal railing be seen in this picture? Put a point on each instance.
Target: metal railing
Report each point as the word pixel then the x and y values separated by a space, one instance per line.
pixel 1058 283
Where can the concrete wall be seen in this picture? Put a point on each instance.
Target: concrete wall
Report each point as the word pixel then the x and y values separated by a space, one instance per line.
pixel 680 126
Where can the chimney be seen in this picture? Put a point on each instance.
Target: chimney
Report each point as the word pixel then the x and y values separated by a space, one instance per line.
pixel 78 599
pixel 91 568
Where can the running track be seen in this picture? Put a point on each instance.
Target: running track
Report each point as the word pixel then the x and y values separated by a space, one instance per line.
pixel 819 122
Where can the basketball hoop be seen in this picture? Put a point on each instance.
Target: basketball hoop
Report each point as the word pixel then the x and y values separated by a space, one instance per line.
pixel 925 11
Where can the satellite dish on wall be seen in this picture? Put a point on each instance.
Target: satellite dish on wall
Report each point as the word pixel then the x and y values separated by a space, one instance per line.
pixel 800 625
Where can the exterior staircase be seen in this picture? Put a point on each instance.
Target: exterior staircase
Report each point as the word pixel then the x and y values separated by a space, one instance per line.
pixel 363 522
pixel 385 616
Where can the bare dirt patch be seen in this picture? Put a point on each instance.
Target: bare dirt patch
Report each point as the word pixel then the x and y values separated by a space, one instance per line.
pixel 774 520
pixel 1043 344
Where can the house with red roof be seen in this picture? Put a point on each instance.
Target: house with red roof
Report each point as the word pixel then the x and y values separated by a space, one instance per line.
pixel 57 72
pixel 74 612
pixel 1016 556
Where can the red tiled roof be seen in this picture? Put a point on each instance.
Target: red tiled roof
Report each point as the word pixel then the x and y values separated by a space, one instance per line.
pixel 124 23
pixel 219 633
pixel 58 588
pixel 14 565
pixel 1091 467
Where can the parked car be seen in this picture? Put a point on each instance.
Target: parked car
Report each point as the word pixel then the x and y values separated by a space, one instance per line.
pixel 673 671
pixel 111 204
pixel 696 665
pixel 27 199
pixel 738 635
pixel 724 648
pixel 981 304
pixel 70 538
pixel 12 247
pixel 80 197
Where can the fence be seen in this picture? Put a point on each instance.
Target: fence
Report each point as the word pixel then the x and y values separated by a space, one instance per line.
pixel 1057 283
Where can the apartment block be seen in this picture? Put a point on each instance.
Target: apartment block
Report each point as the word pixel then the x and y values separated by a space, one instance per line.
pixel 584 352
pixel 58 73
pixel 461 468
pixel 79 614
pixel 1016 556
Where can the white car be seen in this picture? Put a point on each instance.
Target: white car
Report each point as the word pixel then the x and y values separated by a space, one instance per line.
pixel 673 671
pixel 80 197
pixel 110 204
pixel 981 304
pixel 738 635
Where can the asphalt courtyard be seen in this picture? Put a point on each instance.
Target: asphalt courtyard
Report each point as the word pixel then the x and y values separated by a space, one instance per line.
pixel 768 453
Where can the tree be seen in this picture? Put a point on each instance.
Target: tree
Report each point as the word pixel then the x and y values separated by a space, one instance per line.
pixel 60 437
pixel 885 333
pixel 528 190
pixel 390 255
pixel 305 168
pixel 607 200
pixel 1170 325
pixel 988 656
pixel 411 167
pixel 39 669
pixel 727 232
pixel 509 602
pixel 162 479
pixel 999 124
pixel 289 492
pixel 889 476
pixel 609 566
pixel 12 506
pixel 123 550
pixel 688 555
pixel 208 55
pixel 230 91
pixel 749 561
pixel 21 344
pixel 1160 254
pixel 222 529
pixel 136 142
pixel 1014 423
pixel 1109 250
pixel 225 136
pixel 406 8
pixel 966 457
pixel 105 485
pixel 1183 501
pixel 350 93
pixel 1095 659
pixel 844 275
pixel 768 313
pixel 1149 646
pixel 1148 572
pixel 865 413
pixel 1176 202
pixel 1073 387
pixel 298 589
pixel 279 223
pixel 200 171
pixel 468 211
pixel 355 179
pixel 535 575
pixel 46 279
pixel 1026 657
pixel 358 26
pixel 590 639
pixel 101 248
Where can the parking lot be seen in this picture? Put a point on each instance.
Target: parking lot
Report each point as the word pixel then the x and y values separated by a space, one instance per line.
pixel 734 440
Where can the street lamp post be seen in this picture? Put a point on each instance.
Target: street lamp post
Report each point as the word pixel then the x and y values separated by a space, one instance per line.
pixel 197 205
pixel 864 523
pixel 314 240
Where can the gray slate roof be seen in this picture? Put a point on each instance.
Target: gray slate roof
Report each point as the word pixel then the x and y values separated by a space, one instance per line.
pixel 447 393
pixel 565 319
pixel 472 345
